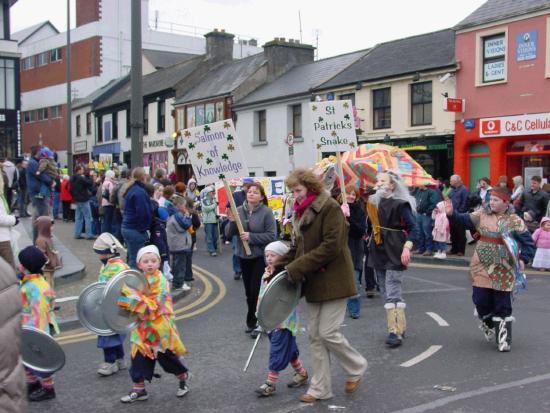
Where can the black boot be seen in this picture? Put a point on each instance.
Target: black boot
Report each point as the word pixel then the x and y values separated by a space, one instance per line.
pixel 42 394
pixel 487 326
pixel 32 387
pixel 503 333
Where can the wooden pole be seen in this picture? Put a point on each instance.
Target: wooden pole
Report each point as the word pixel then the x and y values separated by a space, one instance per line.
pixel 236 215
pixel 341 177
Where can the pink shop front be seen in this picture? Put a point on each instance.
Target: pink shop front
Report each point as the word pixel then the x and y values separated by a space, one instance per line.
pixel 155 160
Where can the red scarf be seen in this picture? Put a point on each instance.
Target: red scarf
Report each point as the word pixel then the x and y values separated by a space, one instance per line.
pixel 300 208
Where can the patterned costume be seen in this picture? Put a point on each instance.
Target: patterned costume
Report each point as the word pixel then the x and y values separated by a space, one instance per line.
pixel 37 296
pixel 157 330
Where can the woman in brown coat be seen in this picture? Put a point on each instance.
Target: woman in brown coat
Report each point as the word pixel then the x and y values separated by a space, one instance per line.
pixel 320 259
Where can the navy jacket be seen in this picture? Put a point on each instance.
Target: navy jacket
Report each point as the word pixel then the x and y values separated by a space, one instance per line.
pixel 426 200
pixel 137 208
pixel 33 181
pixel 459 198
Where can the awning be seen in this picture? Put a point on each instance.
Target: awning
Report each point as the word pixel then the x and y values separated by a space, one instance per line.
pixel 113 147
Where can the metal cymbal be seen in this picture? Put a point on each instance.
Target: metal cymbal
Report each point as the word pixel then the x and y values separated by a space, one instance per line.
pixel 40 351
pixel 89 309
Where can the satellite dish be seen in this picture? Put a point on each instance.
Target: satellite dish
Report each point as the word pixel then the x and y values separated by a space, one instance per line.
pixel 169 142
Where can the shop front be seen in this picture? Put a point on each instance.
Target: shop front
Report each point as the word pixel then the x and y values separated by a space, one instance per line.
pixel 81 156
pixel 503 146
pixel 112 148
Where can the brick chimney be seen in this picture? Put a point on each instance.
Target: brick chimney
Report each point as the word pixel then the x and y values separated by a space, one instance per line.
pixel 282 55
pixel 219 45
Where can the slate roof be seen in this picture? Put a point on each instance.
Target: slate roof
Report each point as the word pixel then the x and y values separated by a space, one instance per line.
pixel 95 96
pixel 161 59
pixel 496 10
pixel 158 81
pixel 301 79
pixel 400 57
pixel 22 35
pixel 224 80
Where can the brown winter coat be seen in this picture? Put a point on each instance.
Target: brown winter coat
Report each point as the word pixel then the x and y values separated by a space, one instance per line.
pixel 320 256
pixel 12 376
pixel 44 242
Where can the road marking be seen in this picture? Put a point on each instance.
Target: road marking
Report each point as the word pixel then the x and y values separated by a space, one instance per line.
pixel 412 277
pixel 66 299
pixel 422 356
pixel 201 273
pixel 433 290
pixel 530 271
pixel 437 404
pixel 438 319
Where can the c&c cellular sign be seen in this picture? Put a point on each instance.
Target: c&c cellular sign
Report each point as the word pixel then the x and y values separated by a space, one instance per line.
pixel 532 124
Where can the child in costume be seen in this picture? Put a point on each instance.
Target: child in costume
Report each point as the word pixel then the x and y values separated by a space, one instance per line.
pixel 47 166
pixel 491 268
pixel 37 297
pixel 542 241
pixel 109 249
pixel 156 338
pixel 180 242
pixel 283 348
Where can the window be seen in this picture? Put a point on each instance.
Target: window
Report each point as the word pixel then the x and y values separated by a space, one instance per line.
pixel 7 84
pixel 55 55
pixel 128 124
pixel 494 58
pixel 27 63
pixel 261 117
pixel 146 120
pixel 348 96
pixel 88 123
pixel 43 114
pixel 421 104
pixel 297 121
pixel 55 112
pixel 191 119
pixel 99 128
pixel 161 118
pixel 180 119
pixel 270 173
pixel 43 58
pixel 77 125
pixel 115 125
pixel 199 115
pixel 220 111
pixel 28 116
pixel 209 113
pixel 381 108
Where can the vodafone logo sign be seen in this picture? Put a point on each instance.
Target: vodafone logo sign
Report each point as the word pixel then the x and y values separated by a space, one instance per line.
pixel 490 127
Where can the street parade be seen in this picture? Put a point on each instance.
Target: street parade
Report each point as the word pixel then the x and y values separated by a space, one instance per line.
pixel 209 224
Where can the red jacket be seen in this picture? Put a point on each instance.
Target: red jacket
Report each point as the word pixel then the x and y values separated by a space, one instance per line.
pixel 66 191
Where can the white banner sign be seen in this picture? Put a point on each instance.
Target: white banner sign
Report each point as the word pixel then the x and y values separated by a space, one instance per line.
pixel 333 125
pixel 532 124
pixel 214 152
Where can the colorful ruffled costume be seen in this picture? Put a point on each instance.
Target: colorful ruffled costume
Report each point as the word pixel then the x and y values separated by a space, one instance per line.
pixel 37 296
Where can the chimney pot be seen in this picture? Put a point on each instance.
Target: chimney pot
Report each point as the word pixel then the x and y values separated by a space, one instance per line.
pixel 222 30
pixel 283 39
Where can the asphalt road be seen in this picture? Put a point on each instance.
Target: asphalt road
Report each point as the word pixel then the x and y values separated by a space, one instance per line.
pixel 482 379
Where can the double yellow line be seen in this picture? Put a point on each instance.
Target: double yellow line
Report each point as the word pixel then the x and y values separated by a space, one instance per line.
pixel 184 312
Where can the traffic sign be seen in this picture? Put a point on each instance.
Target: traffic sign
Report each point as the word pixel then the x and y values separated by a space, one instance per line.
pixel 290 140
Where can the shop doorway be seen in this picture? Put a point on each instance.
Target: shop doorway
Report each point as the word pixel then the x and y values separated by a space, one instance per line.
pixel 529 158
pixel 479 164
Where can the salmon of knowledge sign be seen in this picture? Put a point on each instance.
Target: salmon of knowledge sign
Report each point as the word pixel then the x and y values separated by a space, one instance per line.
pixel 333 125
pixel 214 152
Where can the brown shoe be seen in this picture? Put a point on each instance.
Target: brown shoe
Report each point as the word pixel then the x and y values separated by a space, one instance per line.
pixel 307 398
pixel 352 386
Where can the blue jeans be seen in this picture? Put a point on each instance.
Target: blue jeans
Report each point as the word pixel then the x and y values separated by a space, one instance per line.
pixel 236 260
pixel 107 219
pixel 56 204
pixel 354 303
pixel 425 228
pixel 181 268
pixel 211 237
pixel 389 283
pixel 83 215
pixel 22 202
pixel 440 246
pixel 40 208
pixel 134 241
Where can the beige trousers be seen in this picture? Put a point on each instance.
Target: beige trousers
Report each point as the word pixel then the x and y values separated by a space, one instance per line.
pixel 325 339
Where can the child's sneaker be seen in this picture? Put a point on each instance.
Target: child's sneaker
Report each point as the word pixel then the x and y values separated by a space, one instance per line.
pixel 298 380
pixel 121 364
pixel 135 396
pixel 266 390
pixel 42 394
pixel 108 369
pixel 183 389
pixel 32 387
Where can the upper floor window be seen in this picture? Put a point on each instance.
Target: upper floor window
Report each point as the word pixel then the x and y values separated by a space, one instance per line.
pixel 43 114
pixel 88 123
pixel 55 55
pixel 28 116
pixel 381 108
pixel 115 125
pixel 7 84
pixel 55 112
pixel 77 125
pixel 43 58
pixel 297 121
pixel 494 58
pixel 348 96
pixel 99 128
pixel 421 104
pixel 128 123
pixel 146 119
pixel 27 63
pixel 161 116
pixel 261 130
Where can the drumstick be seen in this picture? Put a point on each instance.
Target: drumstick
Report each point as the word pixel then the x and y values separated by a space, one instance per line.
pixel 252 352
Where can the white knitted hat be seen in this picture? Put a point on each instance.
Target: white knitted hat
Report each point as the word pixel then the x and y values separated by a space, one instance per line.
pixel 146 250
pixel 278 247
pixel 107 243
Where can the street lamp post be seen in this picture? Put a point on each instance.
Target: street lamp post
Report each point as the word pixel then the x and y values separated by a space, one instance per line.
pixel 136 104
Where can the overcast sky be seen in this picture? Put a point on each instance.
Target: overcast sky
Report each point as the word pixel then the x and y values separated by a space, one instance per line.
pixel 340 26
